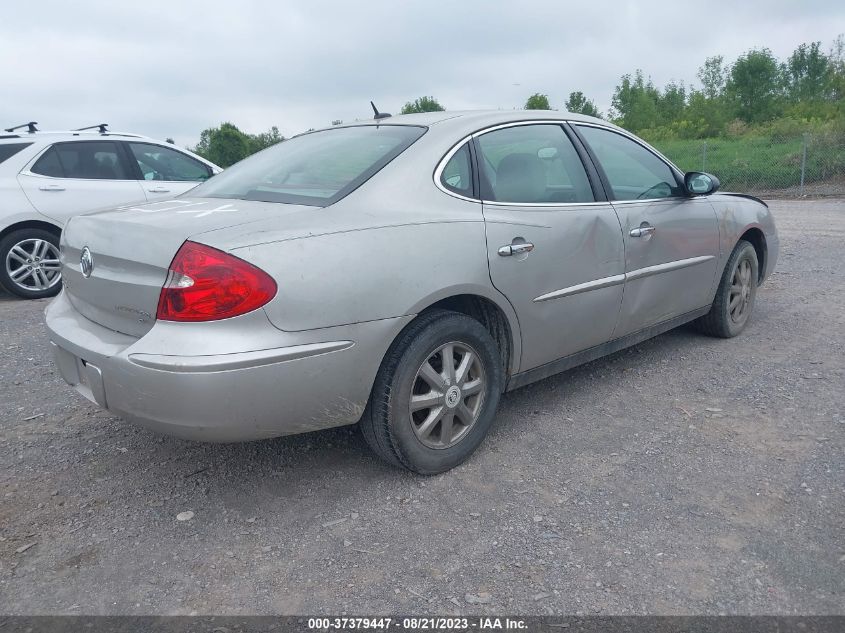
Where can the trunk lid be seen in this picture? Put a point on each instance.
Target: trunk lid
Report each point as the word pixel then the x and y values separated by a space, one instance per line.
pixel 131 248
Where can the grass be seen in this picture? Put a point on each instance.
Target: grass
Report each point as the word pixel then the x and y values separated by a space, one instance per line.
pixel 752 163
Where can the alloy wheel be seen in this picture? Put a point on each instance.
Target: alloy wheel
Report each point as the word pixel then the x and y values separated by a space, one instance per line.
pixel 447 395
pixel 33 264
pixel 740 293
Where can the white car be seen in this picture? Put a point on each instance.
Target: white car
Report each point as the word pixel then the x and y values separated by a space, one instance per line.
pixel 48 177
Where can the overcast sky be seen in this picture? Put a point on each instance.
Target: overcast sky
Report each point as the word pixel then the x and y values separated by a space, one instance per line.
pixel 174 68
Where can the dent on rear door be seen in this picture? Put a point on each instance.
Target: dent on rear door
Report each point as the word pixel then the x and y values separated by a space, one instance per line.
pixel 568 289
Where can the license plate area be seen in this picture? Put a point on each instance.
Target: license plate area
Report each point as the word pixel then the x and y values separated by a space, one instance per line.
pixel 83 376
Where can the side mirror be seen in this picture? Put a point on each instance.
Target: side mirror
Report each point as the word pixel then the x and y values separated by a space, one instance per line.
pixel 698 183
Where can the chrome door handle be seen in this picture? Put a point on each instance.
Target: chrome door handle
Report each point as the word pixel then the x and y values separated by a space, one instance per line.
pixel 642 231
pixel 515 249
pixel 51 188
pixel 158 190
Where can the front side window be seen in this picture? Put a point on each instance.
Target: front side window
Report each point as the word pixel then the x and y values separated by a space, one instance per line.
pixel 7 150
pixel 163 163
pixel 313 169
pixel 97 160
pixel 529 164
pixel 457 173
pixel 634 172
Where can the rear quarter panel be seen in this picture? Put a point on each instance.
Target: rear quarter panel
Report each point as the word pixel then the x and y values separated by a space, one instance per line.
pixel 15 207
pixel 358 275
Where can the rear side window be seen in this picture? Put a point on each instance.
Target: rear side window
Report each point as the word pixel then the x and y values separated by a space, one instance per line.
pixel 529 164
pixel 163 163
pixel 7 150
pixel 49 165
pixel 314 169
pixel 457 173
pixel 98 160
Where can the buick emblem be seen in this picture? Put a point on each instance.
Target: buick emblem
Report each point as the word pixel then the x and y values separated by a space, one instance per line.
pixel 86 262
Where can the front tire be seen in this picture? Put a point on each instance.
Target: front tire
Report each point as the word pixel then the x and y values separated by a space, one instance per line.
pixel 29 263
pixel 435 395
pixel 734 301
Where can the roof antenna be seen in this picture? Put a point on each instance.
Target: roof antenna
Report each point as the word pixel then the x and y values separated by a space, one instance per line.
pixel 378 115
pixel 102 127
pixel 31 126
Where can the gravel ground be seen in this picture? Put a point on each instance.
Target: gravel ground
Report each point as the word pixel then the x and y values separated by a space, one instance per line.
pixel 685 475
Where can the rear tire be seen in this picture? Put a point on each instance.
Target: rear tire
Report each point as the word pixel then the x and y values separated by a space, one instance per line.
pixel 29 263
pixel 424 415
pixel 734 301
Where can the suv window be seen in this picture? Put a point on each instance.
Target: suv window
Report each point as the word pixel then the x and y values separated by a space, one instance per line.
pixel 530 164
pixel 95 160
pixel 162 163
pixel 457 174
pixel 633 171
pixel 7 150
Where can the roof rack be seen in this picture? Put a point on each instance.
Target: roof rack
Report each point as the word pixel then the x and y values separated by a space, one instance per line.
pixel 31 127
pixel 102 127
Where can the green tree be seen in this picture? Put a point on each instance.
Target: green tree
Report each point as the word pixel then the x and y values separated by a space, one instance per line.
pixel 708 115
pixel 671 103
pixel 753 86
pixel 837 73
pixel 538 101
pixel 226 145
pixel 713 76
pixel 423 104
pixel 807 74
pixel 577 102
pixel 635 102
pixel 257 142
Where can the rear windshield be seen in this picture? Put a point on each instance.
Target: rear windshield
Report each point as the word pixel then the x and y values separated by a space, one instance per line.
pixel 313 169
pixel 7 150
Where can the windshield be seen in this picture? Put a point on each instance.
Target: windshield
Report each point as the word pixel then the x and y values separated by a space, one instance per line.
pixel 313 169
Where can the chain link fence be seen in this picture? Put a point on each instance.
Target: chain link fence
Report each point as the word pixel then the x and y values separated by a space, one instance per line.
pixel 810 164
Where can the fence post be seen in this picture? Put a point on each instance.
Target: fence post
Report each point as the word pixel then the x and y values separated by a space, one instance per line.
pixel 803 165
pixel 704 157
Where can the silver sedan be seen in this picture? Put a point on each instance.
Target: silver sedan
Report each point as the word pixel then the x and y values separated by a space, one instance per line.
pixel 401 274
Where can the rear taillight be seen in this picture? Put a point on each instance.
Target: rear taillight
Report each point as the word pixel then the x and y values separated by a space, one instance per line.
pixel 205 284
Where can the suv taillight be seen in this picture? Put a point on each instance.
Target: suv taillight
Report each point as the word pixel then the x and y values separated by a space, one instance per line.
pixel 205 284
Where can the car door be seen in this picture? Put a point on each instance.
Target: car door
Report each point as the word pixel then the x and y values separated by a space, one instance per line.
pixel 554 246
pixel 72 177
pixel 671 238
pixel 165 171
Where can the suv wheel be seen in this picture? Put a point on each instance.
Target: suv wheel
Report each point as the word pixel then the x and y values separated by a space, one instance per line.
pixel 29 263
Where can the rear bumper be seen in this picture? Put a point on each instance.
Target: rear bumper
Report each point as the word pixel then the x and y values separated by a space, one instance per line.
pixel 189 380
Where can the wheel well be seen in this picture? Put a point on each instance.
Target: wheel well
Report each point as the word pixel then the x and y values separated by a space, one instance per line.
pixel 758 241
pixel 31 224
pixel 489 315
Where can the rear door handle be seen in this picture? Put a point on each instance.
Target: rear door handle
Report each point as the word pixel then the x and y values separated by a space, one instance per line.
pixel 158 190
pixel 643 230
pixel 51 188
pixel 515 249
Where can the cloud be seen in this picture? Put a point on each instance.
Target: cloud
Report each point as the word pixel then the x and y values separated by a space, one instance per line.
pixel 175 68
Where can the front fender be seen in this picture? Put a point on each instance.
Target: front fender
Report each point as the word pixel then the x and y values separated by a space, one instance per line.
pixel 737 214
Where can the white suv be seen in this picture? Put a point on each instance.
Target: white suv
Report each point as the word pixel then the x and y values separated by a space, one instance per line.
pixel 47 177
